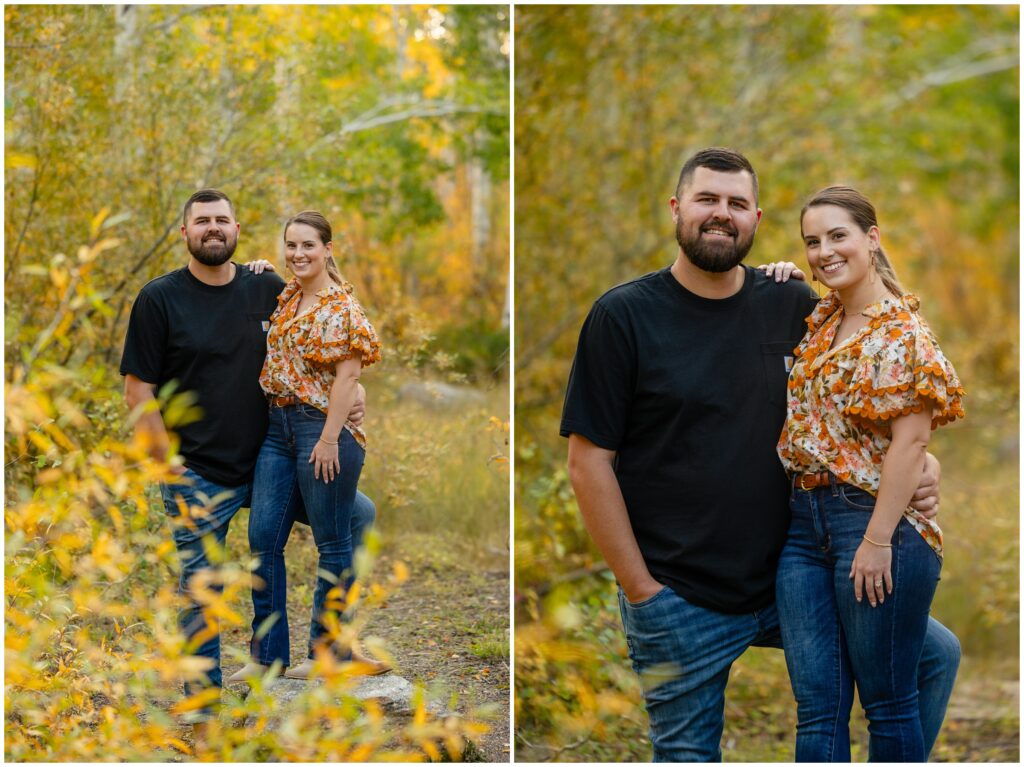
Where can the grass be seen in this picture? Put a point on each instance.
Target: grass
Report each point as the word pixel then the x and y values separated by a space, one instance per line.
pixel 492 647
pixel 429 468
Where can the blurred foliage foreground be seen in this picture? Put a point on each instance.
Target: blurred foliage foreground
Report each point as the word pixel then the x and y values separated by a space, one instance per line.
pixel 93 657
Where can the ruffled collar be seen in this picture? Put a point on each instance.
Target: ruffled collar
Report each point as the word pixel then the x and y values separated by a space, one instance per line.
pixel 890 306
pixel 817 344
pixel 293 288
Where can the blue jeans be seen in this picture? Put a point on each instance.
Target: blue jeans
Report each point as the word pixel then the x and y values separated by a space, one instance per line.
pixel 832 641
pixel 203 520
pixel 283 477
pixel 683 654
pixel 364 513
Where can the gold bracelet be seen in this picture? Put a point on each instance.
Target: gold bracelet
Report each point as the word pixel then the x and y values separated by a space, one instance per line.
pixel 876 543
pixel 326 442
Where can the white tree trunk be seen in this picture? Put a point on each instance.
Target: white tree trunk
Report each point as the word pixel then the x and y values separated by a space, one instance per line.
pixel 480 210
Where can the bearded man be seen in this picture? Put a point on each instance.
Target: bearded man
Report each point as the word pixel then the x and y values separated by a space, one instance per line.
pixel 676 400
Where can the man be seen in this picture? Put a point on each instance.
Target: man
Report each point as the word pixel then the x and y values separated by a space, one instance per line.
pixel 204 327
pixel 674 406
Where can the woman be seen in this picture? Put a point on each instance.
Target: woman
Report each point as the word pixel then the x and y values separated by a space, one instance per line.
pixel 859 568
pixel 319 340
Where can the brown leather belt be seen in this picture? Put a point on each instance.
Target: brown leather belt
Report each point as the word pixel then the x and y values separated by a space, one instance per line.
pixel 283 401
pixel 811 481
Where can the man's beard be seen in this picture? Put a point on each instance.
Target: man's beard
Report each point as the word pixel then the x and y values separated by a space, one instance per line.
pixel 213 252
pixel 712 256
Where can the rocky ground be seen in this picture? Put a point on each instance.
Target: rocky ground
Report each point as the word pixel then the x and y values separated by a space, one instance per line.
pixel 447 626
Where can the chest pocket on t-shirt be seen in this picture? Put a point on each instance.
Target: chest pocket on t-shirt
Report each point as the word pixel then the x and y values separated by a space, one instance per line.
pixel 778 361
pixel 256 330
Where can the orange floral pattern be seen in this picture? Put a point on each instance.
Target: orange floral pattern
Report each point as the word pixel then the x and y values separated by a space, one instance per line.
pixel 841 401
pixel 302 350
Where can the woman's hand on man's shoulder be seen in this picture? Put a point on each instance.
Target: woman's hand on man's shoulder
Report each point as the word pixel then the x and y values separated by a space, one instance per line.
pixel 782 271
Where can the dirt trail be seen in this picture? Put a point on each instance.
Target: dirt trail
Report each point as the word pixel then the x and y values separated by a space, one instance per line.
pixel 446 626
pixel 982 722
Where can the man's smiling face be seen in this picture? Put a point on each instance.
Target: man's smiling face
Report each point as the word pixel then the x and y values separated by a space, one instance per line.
pixel 211 233
pixel 716 218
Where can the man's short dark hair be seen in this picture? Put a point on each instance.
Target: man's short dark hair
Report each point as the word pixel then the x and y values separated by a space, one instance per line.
pixel 716 158
pixel 205 195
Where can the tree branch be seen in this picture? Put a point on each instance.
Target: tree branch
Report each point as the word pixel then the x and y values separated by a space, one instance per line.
pixel 33 198
pixel 579 574
pixel 958 73
pixel 378 115
pixel 168 23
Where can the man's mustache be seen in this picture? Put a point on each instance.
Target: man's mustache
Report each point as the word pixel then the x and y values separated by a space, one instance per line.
pixel 723 227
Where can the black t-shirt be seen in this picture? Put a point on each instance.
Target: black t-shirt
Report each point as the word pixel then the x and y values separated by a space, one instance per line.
pixel 212 341
pixel 691 394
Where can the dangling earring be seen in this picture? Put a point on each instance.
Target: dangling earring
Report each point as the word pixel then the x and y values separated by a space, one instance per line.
pixel 874 267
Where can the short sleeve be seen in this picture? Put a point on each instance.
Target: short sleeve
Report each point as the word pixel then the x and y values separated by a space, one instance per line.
pixel 340 331
pixel 145 341
pixel 601 382
pixel 908 373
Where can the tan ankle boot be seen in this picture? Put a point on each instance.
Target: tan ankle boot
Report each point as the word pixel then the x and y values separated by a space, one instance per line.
pixel 303 671
pixel 249 671
pixel 373 667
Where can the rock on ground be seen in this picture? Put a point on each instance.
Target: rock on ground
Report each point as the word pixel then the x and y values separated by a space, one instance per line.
pixel 392 692
pixel 440 395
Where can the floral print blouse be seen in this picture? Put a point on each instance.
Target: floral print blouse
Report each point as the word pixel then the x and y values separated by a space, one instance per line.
pixel 841 401
pixel 302 350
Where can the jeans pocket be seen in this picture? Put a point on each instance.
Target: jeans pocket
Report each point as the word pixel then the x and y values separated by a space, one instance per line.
pixel 646 602
pixel 310 412
pixel 855 498
pixel 184 488
pixel 910 537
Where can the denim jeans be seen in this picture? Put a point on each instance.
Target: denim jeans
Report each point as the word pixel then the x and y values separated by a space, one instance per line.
pixel 364 512
pixel 683 654
pixel 210 509
pixel 283 477
pixel 832 641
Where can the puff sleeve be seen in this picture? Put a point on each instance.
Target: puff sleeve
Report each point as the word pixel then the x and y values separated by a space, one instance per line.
pixel 903 372
pixel 340 331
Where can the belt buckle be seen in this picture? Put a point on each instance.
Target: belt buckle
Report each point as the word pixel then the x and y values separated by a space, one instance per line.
pixel 801 483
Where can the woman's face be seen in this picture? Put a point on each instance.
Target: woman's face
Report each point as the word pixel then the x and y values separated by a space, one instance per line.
pixel 838 251
pixel 304 253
